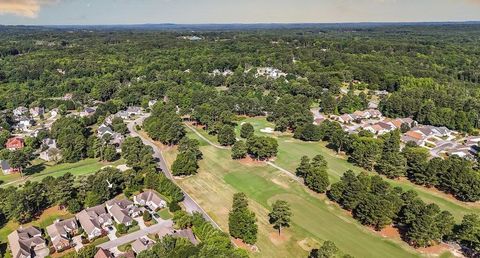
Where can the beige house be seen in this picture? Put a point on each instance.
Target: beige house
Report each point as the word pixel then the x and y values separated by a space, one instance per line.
pixel 150 199
pixel 61 233
pixel 142 244
pixel 27 243
pixel 122 211
pixel 93 220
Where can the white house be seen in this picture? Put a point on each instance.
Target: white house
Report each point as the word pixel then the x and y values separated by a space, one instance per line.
pixel 150 199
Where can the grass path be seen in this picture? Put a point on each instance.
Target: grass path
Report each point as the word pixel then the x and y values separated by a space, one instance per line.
pixel 315 218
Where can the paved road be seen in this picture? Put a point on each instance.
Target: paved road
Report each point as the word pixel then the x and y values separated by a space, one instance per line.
pixel 136 235
pixel 190 204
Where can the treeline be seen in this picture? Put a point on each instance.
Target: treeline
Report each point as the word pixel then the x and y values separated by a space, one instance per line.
pixel 213 242
pixel 453 175
pixel 432 103
pixel 374 202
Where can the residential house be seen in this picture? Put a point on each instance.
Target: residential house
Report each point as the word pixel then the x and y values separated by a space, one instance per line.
pixel 414 136
pixel 374 113
pixel 27 243
pixel 186 233
pixel 93 220
pixel 102 253
pixel 49 143
pixel 152 102
pixel 37 111
pixel 142 244
pixel 133 111
pixel 270 72
pixel 150 199
pixel 122 211
pixel 54 113
pixel 61 233
pixel 51 154
pixel 362 114
pixel 465 152
pixel 15 143
pixel 123 114
pixel 20 111
pixel 117 139
pixel 380 128
pixel 89 111
pixel 6 169
pixel 345 119
pixel 24 123
pixel 104 129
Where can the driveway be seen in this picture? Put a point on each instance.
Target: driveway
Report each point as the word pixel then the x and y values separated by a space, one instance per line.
pixel 135 235
pixel 77 241
pixel 112 234
pixel 140 221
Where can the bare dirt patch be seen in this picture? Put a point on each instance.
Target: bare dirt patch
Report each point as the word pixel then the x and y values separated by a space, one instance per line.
pixel 279 239
pixel 390 232
pixel 434 250
pixel 249 161
pixel 308 244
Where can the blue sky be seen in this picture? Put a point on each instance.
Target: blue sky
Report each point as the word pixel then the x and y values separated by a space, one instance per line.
pixel 46 12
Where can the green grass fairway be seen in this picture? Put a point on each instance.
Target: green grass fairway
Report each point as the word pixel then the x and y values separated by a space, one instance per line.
pixel 83 167
pixel 315 219
pixel 291 151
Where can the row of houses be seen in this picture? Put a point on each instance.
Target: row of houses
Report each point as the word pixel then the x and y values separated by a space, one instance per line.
pixel 29 242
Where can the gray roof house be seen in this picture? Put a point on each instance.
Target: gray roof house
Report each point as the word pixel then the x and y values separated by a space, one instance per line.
pixel 122 211
pixel 27 243
pixel 93 220
pixel 142 244
pixel 151 199
pixel 103 130
pixel 60 233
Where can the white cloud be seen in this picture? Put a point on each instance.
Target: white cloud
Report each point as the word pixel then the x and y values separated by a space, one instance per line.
pixel 26 8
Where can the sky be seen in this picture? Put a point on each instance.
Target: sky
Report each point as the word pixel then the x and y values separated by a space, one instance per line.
pixel 88 12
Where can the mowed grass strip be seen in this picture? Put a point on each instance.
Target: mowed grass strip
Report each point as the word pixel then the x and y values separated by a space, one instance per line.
pixel 291 151
pixel 80 168
pixel 313 222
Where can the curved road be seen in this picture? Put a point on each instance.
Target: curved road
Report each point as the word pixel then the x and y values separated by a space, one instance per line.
pixel 190 204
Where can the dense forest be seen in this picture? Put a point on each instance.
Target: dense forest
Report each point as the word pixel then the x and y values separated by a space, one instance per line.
pixel 431 70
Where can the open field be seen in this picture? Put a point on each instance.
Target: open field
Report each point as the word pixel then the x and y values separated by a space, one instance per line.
pixel 315 219
pixel 291 151
pixel 41 170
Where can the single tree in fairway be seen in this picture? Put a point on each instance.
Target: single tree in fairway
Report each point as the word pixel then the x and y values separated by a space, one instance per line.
pixel 226 135
pixel 280 215
pixel 239 150
pixel 246 130
pixel 242 222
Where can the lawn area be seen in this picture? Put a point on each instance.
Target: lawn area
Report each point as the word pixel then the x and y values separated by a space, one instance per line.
pixel 315 219
pixel 47 218
pixel 165 214
pixel 40 170
pixel 291 151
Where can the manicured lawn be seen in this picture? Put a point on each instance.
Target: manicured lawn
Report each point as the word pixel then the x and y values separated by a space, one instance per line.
pixel 315 219
pixel 125 247
pixel 165 214
pixel 291 151
pixel 39 170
